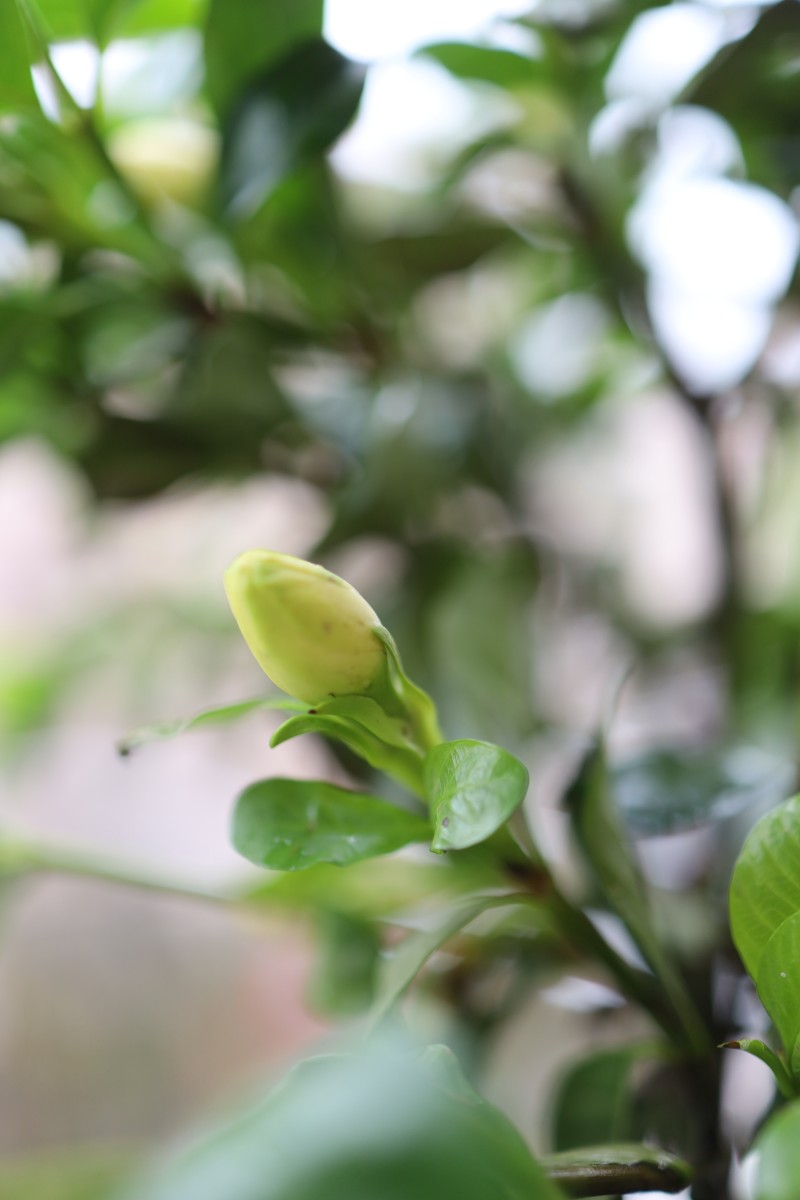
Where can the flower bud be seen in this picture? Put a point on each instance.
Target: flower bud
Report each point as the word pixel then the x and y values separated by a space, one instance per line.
pixel 310 631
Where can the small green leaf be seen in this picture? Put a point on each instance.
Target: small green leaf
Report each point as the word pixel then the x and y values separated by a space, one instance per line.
pixel 404 765
pixel 765 888
pixel 290 824
pixel 608 1170
pixel 473 788
pixel 211 716
pixel 777 1156
pixel 767 1055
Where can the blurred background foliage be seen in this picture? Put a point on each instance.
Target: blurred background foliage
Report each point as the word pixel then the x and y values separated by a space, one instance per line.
pixel 502 323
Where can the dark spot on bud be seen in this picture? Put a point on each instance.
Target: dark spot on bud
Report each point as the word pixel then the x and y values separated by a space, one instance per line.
pixel 445 822
pixel 312 712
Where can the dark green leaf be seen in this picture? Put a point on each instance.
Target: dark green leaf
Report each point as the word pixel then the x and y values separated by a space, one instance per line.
pixel 603 1170
pixel 473 788
pixel 290 824
pixel 765 888
pixel 777 1156
pixel 211 716
pixel 665 791
pixel 244 39
pixel 594 1102
pixel 289 114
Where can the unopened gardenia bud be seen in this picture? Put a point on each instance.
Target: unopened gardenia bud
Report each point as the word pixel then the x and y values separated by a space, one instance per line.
pixel 310 631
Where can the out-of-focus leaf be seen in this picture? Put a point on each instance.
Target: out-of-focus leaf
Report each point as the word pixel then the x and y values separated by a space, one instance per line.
pixel 290 824
pixel 345 967
pixel 383 1124
pixel 594 1102
pixel 16 83
pixel 488 64
pixel 473 788
pixel 243 39
pixel 765 888
pixel 664 791
pixel 83 1173
pixel 290 113
pixel 404 964
pixel 210 716
pixel 142 17
pixel 602 839
pixel 777 1156
pixel 605 1170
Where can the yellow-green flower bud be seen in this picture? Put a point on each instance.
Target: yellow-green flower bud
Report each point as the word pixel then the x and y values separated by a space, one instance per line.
pixel 310 631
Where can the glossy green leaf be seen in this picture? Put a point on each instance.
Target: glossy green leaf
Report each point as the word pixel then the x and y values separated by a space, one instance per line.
pixel 210 716
pixel 290 824
pixel 765 888
pixel 473 788
pixel 16 84
pixel 382 1124
pixel 403 964
pixel 663 791
pixel 777 1156
pixel 289 114
pixel 485 63
pixel 243 39
pixel 605 1170
pixel 778 984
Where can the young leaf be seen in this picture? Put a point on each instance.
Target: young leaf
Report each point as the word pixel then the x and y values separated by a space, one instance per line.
pixel 289 824
pixel 16 84
pixel 765 888
pixel 767 1055
pixel 473 788
pixel 404 765
pixel 211 716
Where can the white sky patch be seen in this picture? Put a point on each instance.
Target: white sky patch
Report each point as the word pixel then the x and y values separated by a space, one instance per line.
pixel 369 31
pixel 78 66
pixel 410 112
pixel 663 49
